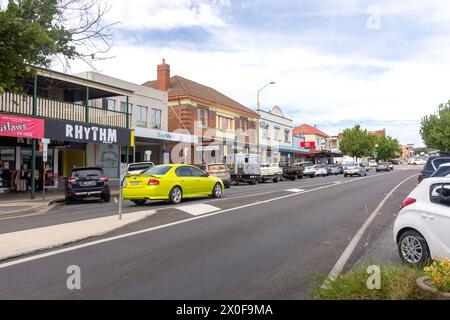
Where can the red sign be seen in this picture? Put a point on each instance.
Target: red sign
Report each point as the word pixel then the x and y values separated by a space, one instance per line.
pixel 21 127
pixel 308 145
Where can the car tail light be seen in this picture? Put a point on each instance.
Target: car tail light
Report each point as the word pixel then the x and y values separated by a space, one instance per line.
pixel 71 180
pixel 104 178
pixel 407 202
pixel 153 182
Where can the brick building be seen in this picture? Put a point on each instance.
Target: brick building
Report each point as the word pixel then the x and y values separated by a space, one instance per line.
pixel 223 126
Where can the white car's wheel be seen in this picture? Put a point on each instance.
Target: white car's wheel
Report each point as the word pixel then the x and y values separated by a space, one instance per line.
pixel 413 248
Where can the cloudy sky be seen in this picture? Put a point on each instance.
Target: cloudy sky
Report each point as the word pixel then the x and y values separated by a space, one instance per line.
pixel 383 64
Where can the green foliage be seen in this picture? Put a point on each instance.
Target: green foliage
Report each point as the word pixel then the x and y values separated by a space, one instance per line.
pixel 387 148
pixel 397 283
pixel 435 129
pixel 357 142
pixel 30 35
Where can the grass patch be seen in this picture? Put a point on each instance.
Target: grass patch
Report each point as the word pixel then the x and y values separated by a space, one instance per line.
pixel 397 283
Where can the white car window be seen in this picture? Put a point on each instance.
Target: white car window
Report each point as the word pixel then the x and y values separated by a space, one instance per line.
pixel 440 194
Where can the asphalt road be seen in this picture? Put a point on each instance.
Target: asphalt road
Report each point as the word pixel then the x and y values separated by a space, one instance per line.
pixel 263 242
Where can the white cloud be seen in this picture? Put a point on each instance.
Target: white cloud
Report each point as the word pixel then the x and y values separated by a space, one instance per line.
pixel 313 85
pixel 164 14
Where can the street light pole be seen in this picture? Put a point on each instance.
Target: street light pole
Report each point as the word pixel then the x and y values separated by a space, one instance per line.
pixel 258 106
pixel 257 94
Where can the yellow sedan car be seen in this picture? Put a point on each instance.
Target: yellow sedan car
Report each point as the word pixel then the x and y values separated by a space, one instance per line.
pixel 171 182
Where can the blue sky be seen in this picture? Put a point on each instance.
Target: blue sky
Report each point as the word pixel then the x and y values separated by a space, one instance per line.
pixel 382 64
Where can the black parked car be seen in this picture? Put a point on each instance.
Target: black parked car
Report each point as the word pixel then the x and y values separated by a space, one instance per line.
pixel 431 166
pixel 87 182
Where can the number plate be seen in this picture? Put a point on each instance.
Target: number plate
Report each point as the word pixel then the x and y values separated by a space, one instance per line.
pixel 88 183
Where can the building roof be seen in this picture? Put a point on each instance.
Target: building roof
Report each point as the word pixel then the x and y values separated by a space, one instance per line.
pixel 181 87
pixel 307 129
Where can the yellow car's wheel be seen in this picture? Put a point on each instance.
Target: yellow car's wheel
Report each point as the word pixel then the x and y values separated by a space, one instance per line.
pixel 217 191
pixel 175 195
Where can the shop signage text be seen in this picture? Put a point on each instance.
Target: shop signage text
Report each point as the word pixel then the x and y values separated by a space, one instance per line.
pixel 309 145
pixel 86 133
pixel 95 134
pixel 21 127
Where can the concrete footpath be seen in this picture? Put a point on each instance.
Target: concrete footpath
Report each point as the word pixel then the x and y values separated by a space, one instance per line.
pixel 20 204
pixel 29 241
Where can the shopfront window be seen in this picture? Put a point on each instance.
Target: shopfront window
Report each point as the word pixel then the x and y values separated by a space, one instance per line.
pixel 109 160
pixel 6 166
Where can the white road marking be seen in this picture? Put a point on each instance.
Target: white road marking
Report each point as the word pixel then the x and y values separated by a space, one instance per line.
pixel 295 190
pixel 127 235
pixel 198 209
pixel 340 264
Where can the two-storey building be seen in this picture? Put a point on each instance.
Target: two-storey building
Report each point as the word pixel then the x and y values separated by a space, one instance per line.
pixel 58 123
pixel 219 125
pixel 275 135
pixel 148 108
pixel 321 147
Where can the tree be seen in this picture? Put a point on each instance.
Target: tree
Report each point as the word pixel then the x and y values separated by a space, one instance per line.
pixel 387 148
pixel 40 32
pixel 357 142
pixel 435 129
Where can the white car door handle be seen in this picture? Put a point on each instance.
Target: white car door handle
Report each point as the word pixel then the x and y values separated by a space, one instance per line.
pixel 427 216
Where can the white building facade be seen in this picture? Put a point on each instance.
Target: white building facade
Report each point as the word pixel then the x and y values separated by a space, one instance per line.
pixel 275 135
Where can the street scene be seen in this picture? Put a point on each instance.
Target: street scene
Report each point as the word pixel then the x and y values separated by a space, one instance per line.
pixel 144 157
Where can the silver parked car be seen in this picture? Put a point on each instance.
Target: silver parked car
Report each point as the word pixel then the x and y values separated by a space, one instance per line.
pixel 219 170
pixel 333 169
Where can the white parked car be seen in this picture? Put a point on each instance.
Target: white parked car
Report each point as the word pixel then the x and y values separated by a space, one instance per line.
pixel 372 164
pixel 309 170
pixel 421 229
pixel 320 170
pixel 138 167
pixel 418 162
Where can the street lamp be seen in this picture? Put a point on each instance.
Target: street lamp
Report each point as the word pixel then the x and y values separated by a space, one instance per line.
pixel 257 95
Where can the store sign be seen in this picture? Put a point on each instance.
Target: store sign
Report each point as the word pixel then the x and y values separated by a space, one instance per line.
pixel 164 135
pixel 21 127
pixel 86 133
pixel 308 145
pixel 207 148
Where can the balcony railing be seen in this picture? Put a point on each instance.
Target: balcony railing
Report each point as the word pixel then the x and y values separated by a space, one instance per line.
pixel 54 109
pixel 107 117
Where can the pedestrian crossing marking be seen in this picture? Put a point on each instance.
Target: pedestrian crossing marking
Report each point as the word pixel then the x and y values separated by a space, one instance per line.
pixel 198 209
pixel 295 190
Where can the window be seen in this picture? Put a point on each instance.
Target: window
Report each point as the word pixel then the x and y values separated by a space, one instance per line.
pixel 183 172
pixel 141 119
pixel 225 123
pixel 264 132
pixel 286 135
pixel 244 126
pixel 203 117
pixel 158 170
pixel 123 107
pixel 156 119
pixel 440 194
pixel 276 134
pixel 109 104
pixel 196 172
